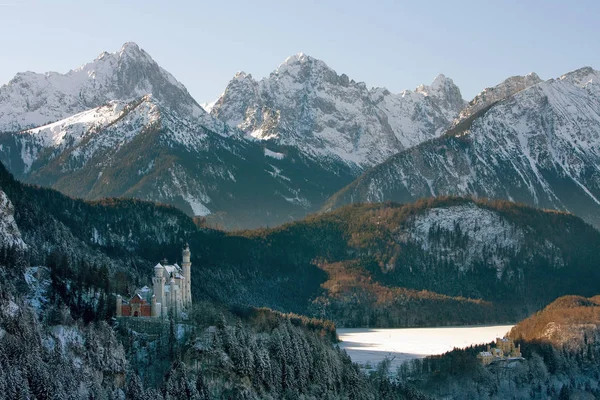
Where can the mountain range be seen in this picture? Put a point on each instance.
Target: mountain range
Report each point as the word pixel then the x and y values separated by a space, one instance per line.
pixel 539 145
pixel 307 105
pixel 123 126
pixel 300 140
pixel 441 236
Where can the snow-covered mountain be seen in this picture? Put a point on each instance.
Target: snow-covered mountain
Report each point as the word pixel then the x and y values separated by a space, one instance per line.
pixel 492 95
pixel 306 104
pixel 122 126
pixel 539 145
pixel 31 99
pixel 273 150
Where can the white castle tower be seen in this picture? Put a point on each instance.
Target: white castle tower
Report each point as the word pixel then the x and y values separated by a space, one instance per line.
pixel 119 305
pixel 187 274
pixel 175 299
pixel 159 290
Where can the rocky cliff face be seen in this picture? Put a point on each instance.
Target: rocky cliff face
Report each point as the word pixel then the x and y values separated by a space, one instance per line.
pixel 492 95
pixel 538 146
pixel 306 104
pixel 10 236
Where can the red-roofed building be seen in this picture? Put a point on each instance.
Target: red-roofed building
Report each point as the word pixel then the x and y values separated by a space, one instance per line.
pixel 136 307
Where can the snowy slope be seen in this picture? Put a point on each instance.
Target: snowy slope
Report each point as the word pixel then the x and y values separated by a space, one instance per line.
pixel 492 95
pixel 145 150
pixel 488 237
pixel 10 236
pixel 306 104
pixel 32 99
pixel 540 146
pixel 123 126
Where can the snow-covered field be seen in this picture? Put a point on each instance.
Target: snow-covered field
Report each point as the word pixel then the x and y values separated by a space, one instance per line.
pixel 370 346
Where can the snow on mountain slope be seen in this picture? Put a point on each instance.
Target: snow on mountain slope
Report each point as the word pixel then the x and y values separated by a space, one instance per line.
pixel 540 146
pixel 10 236
pixel 31 99
pixel 73 141
pixel 490 238
pixel 74 127
pixel 497 93
pixel 144 150
pixel 306 104
pixel 122 126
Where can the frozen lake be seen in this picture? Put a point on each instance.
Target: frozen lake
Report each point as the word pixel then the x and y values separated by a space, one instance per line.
pixel 366 345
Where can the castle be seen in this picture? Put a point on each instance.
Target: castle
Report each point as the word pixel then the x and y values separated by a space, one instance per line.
pixel 171 295
pixel 505 349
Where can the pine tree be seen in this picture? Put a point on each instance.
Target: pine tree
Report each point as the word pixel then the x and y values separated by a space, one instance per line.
pixel 134 389
pixel 201 387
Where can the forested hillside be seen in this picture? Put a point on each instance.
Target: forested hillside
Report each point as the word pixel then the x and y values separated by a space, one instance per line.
pixel 48 350
pixel 571 322
pixel 438 261
pixel 560 348
pixel 435 262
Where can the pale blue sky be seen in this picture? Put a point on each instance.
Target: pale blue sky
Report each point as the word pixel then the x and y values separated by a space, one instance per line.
pixel 396 44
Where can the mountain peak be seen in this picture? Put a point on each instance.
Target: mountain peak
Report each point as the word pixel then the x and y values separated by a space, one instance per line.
pixel 301 63
pixel 241 75
pixel 131 50
pixel 129 47
pixel 445 90
pixel 439 83
pixel 491 95
pixel 297 58
pixel 33 99
pixel 441 80
pixel 581 76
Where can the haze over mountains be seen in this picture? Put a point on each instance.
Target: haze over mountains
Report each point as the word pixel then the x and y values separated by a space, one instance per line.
pixel 273 150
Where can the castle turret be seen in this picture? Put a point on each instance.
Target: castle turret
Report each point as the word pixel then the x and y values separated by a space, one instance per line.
pixel 119 306
pixel 187 274
pixel 156 307
pixel 173 298
pixel 159 283
pixel 168 301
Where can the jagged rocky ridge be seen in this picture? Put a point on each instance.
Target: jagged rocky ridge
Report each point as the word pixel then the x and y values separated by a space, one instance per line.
pixel 306 104
pixel 31 99
pixel 538 146
pixel 145 137
pixel 492 95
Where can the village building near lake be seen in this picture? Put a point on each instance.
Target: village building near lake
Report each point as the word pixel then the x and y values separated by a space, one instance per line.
pixel 170 295
pixel 505 350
